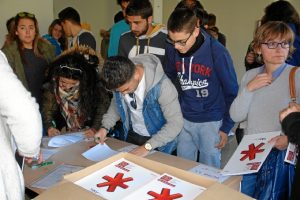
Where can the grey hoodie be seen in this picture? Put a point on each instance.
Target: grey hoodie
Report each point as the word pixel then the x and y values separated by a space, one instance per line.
pixel 168 101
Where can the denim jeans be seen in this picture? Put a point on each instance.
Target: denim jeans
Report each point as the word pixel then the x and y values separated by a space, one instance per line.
pixel 200 137
pixel 248 184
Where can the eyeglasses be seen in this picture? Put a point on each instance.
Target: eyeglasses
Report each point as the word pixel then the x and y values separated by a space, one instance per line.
pixel 133 101
pixel 274 45
pixel 25 14
pixel 180 42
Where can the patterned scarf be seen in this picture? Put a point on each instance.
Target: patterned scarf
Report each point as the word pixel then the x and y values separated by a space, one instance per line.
pixel 68 102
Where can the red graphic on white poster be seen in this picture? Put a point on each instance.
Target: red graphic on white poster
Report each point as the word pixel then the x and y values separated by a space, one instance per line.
pixel 251 153
pixel 164 195
pixel 115 182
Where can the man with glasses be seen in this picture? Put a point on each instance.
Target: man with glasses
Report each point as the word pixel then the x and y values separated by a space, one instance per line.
pixel 143 37
pixel 208 85
pixel 145 100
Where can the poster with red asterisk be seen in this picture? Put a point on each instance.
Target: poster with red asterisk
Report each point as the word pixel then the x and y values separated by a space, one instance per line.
pixel 117 180
pixel 167 187
pixel 250 154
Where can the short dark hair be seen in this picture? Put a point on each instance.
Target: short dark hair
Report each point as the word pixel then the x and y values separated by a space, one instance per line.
pixel 71 14
pixel 119 2
pixel 141 8
pixel 117 70
pixel 182 19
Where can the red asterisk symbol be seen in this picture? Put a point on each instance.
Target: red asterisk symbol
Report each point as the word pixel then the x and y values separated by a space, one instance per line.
pixel 113 183
pixel 252 151
pixel 164 195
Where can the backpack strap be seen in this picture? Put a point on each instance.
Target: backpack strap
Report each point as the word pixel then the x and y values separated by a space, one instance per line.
pixel 292 83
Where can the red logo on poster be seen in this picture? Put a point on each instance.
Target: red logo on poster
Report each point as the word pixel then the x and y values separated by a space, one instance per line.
pixel 164 195
pixel 252 151
pixel 115 182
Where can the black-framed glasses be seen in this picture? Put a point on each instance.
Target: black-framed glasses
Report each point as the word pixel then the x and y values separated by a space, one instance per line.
pixel 133 101
pixel 274 45
pixel 180 42
pixel 26 14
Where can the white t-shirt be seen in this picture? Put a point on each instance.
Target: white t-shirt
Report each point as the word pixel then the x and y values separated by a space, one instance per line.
pixel 137 118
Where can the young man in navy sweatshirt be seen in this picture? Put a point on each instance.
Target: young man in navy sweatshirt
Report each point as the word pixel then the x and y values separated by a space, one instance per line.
pixel 208 85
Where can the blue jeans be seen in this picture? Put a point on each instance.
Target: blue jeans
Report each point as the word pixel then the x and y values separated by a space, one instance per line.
pixel 200 137
pixel 248 184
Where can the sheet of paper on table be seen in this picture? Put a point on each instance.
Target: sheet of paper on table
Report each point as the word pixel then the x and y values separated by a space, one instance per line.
pixel 167 187
pixel 66 139
pixel 47 153
pixel 55 176
pixel 250 154
pixel 99 152
pixel 210 172
pixel 117 179
pixel 131 147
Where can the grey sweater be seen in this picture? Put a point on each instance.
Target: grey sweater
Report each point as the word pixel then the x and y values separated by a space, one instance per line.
pixel 260 108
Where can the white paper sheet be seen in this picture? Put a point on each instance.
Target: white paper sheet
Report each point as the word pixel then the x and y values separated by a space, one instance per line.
pixel 209 172
pixel 131 147
pixel 250 154
pixel 47 153
pixel 55 176
pixel 99 152
pixel 134 177
pixel 167 187
pixel 66 139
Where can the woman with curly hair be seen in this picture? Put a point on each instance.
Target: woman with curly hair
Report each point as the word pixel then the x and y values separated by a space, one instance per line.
pixel 75 93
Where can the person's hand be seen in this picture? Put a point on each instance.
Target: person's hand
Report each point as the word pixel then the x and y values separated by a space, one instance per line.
pixel 261 80
pixel 100 136
pixel 53 132
pixel 280 142
pixel 29 160
pixel 140 151
pixel 293 107
pixel 89 133
pixel 250 57
pixel 223 140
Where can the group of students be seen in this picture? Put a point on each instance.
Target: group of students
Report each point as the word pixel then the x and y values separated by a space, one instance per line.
pixel 172 88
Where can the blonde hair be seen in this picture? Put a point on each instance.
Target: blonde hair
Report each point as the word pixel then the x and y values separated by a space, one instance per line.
pixel 272 30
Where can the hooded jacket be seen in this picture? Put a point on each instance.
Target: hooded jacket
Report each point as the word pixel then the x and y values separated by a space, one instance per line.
pixel 154 43
pixel 161 109
pixel 207 79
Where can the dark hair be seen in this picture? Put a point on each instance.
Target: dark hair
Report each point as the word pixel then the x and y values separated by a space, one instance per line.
pixel 182 19
pixel 282 11
pixel 212 19
pixel 141 8
pixel 83 67
pixel 197 8
pixel 71 14
pixel 117 70
pixel 119 2
pixel 10 24
pixel 191 4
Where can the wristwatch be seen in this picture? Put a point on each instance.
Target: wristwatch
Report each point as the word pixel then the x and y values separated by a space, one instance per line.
pixel 148 146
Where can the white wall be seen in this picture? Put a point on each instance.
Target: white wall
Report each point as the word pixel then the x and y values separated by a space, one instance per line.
pixel 236 19
pixel 43 10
